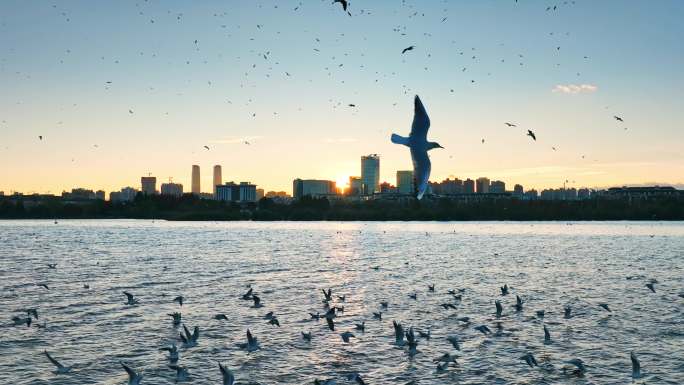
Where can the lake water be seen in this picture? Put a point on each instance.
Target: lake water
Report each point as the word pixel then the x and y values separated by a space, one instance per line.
pixel 549 265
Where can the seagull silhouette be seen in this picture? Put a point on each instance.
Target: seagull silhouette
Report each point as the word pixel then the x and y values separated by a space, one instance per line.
pixel 531 134
pixel 61 369
pixel 409 48
pixel 419 145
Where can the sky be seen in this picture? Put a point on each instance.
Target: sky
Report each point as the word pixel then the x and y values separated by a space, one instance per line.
pixel 120 89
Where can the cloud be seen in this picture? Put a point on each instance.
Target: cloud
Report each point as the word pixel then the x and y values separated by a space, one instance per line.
pixel 236 140
pixel 574 88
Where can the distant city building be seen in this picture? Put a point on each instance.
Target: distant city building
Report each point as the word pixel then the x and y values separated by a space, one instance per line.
pixel 81 194
pixel 645 192
pixel 561 194
pixel 447 187
pixel 2 193
pixel 497 186
pixel 196 188
pixel 482 185
pixel 127 194
pixel 469 186
pixel 100 194
pixel 531 195
pixel 273 194
pixel 370 174
pixel 387 188
pixel 218 179
pixel 259 193
pixel 355 185
pixel 405 184
pixel 518 191
pixel 148 185
pixel 173 189
pixel 313 188
pixel 232 192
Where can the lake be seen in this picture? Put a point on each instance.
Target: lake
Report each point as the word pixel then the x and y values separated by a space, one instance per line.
pixel 550 265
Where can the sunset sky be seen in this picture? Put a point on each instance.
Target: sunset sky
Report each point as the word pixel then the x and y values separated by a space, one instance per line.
pixel 120 89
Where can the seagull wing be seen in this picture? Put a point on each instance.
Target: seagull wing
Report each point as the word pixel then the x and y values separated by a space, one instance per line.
pixel 421 122
pixel 228 377
pixel 54 361
pixel 421 170
pixel 131 373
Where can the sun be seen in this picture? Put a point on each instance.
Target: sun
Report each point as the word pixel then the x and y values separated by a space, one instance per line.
pixel 342 182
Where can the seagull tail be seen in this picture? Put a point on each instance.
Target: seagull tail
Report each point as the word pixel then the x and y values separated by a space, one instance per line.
pixel 398 139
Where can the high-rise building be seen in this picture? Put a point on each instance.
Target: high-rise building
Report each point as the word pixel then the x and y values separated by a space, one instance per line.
pixel 370 174
pixel 469 186
pixel 232 192
pixel 482 185
pixel 497 186
pixel 148 185
pixel 218 179
pixel 313 188
pixel 127 194
pixel 354 185
pixel 405 182
pixel 100 194
pixel 196 180
pixel 173 189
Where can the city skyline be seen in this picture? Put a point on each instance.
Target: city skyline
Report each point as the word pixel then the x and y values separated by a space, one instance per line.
pixel 271 103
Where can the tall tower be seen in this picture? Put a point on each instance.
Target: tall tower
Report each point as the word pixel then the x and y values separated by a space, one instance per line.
pixel 196 180
pixel 370 174
pixel 218 179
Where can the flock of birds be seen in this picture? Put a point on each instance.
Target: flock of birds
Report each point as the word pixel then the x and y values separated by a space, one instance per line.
pixel 346 7
pixel 332 308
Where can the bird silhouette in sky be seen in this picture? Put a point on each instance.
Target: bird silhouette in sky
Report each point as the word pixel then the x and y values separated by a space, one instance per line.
pixel 619 119
pixel 409 48
pixel 531 135
pixel 510 124
pixel 343 2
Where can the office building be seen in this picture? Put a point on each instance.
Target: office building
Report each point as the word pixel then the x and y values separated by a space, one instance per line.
pixel 482 185
pixel 405 182
pixel 148 185
pixel 196 190
pixel 498 187
pixel 172 189
pixel 447 187
pixel 127 194
pixel 232 192
pixel 354 185
pixel 313 188
pixel 218 179
pixel 469 186
pixel 370 174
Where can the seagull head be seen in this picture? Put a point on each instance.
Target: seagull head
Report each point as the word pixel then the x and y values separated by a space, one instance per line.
pixel 433 145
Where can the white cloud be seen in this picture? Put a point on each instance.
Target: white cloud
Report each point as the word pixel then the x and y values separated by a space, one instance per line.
pixel 236 140
pixel 575 88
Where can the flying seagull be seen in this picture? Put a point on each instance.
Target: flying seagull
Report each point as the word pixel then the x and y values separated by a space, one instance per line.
pixel 134 378
pixel 228 377
pixel 510 124
pixel 636 365
pixel 207 147
pixel 619 119
pixel 409 48
pixel 531 134
pixel 61 369
pixel 131 299
pixel 417 142
pixel 343 2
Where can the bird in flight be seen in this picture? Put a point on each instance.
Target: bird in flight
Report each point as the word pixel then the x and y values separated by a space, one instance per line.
pixel 419 145
pixel 247 143
pixel 40 137
pixel 343 2
pixel 409 48
pixel 531 134
pixel 510 124
pixel 207 147
pixel 619 119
